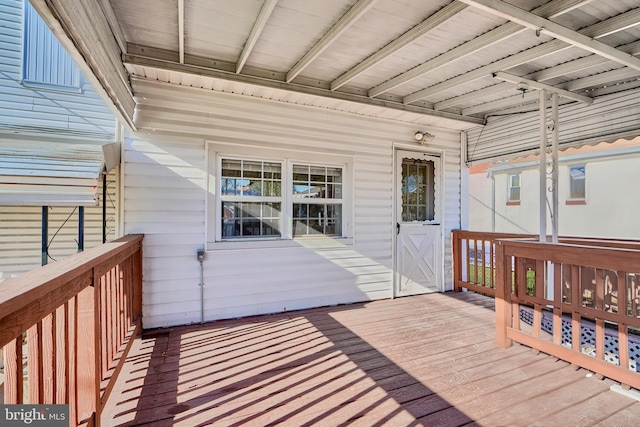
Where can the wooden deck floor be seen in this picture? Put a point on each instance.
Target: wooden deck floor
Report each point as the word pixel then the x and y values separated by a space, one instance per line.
pixel 423 360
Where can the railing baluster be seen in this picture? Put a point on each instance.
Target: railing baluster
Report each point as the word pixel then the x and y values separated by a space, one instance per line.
pixel 48 358
pixel 492 263
pixel 74 394
pixel 34 363
pixel 557 309
pixel 62 355
pixel 13 368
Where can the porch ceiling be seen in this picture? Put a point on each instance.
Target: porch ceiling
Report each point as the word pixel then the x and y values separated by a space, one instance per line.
pixel 445 63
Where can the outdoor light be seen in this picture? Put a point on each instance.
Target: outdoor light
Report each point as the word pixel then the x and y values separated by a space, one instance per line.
pixel 423 137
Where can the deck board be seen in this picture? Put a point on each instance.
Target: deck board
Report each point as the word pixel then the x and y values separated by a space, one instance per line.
pixel 423 360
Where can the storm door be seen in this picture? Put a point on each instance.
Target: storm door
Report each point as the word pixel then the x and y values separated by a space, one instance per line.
pixel 418 227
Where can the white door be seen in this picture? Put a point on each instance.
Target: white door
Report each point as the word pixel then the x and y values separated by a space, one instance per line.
pixel 418 229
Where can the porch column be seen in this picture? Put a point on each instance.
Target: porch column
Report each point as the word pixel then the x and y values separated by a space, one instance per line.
pixel 45 235
pixel 555 172
pixel 80 228
pixel 543 166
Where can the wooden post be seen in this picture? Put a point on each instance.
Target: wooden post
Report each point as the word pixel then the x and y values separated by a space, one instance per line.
pixel 137 284
pixel 457 260
pixel 503 290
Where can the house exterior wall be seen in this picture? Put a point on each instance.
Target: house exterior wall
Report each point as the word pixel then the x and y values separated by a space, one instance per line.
pixel 167 196
pixel 44 113
pixel 43 110
pixel 609 209
pixel 21 231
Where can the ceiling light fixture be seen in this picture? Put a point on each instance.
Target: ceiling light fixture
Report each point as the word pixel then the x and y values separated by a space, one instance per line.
pixel 423 137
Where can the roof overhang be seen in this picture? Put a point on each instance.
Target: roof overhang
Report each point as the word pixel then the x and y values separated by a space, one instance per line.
pixel 455 61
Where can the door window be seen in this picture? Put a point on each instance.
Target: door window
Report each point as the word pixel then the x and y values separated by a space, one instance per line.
pixel 418 185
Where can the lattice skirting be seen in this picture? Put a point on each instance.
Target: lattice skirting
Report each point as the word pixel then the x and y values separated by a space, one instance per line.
pixel 588 337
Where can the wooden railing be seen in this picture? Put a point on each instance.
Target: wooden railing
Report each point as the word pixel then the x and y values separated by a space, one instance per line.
pixel 67 327
pixel 474 266
pixel 577 300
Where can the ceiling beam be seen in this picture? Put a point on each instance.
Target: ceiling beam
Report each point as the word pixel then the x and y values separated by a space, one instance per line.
pixel 471 96
pixel 254 35
pixel 603 79
pixel 600 29
pixel 499 104
pixel 609 78
pixel 541 86
pixel 485 40
pixel 551 9
pixel 343 24
pixel 410 36
pixel 530 20
pixel 181 30
pixel 167 64
pixel 485 71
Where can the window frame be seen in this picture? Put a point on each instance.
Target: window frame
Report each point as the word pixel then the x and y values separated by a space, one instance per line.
pixel 510 187
pixel 234 198
pixel 571 196
pixel 218 151
pixel 53 53
pixel 321 201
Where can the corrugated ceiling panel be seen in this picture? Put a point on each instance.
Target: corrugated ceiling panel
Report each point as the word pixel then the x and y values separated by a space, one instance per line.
pixel 609 118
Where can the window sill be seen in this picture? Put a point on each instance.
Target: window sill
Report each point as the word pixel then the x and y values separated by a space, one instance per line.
pixel 514 203
pixel 51 87
pixel 305 242
pixel 576 202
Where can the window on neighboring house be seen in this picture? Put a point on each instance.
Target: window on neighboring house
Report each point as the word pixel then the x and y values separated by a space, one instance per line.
pixel 253 204
pixel 46 65
pixel 577 183
pixel 514 188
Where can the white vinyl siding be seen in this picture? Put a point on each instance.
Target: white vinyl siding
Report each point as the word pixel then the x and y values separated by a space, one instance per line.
pixel 43 112
pixel 46 64
pixel 166 196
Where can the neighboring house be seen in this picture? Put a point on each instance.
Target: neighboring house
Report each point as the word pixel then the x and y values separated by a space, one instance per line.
pixel 53 127
pixel 596 188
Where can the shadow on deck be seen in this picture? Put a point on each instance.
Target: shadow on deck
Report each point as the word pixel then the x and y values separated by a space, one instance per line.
pixel 423 360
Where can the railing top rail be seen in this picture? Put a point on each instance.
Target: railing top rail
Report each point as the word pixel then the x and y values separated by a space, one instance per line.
pixel 467 234
pixel 44 289
pixel 594 241
pixel 600 256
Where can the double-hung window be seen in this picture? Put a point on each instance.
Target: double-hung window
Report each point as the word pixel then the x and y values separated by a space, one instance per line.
pixel 514 187
pixel 577 179
pixel 251 199
pixel 277 198
pixel 317 200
